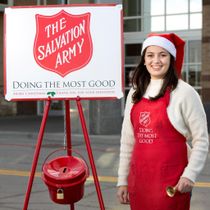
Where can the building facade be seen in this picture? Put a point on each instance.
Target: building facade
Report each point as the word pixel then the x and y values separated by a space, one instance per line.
pixel 188 18
pixel 205 72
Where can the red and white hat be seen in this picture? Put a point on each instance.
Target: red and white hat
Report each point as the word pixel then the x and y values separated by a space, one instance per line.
pixel 171 42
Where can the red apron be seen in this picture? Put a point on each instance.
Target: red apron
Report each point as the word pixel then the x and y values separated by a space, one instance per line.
pixel 158 160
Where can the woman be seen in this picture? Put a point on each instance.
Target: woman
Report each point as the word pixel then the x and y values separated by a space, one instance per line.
pixel 162 113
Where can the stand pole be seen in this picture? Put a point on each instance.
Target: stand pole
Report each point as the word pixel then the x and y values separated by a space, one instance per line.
pixel 90 154
pixel 68 134
pixel 36 153
pixel 68 127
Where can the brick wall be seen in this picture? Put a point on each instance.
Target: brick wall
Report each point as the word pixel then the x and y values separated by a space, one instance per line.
pixel 205 73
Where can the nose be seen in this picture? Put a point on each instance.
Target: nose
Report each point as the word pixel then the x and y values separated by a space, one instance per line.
pixel 156 59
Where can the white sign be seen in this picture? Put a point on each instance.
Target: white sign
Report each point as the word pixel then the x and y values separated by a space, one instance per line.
pixel 63 52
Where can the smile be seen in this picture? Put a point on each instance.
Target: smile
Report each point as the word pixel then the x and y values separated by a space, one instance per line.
pixel 156 67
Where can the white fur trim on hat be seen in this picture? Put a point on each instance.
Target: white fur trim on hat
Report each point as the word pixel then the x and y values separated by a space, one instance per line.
pixel 161 42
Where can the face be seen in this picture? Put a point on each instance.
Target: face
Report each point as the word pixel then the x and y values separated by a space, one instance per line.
pixel 157 61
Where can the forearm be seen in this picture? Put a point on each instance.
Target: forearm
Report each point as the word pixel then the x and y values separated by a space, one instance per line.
pixel 126 148
pixel 127 141
pixel 195 119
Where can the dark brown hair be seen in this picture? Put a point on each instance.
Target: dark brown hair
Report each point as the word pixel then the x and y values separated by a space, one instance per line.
pixel 141 80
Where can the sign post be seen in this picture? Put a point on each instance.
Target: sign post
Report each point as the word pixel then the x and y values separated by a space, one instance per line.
pixel 68 52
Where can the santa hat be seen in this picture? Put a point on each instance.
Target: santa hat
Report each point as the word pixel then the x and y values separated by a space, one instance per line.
pixel 172 43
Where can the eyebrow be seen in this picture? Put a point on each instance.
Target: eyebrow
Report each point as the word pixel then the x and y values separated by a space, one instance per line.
pixel 158 52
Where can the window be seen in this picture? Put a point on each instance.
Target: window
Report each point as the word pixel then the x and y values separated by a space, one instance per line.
pixel 132 56
pixel 170 15
pixel 52 2
pixel 157 7
pixel 192 67
pixel 4 3
pixel 176 7
pixel 132 13
pixel 162 15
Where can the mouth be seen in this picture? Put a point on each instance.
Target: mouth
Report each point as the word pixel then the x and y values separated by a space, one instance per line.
pixel 156 68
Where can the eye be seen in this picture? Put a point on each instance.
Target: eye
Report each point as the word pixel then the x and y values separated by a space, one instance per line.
pixel 163 55
pixel 149 55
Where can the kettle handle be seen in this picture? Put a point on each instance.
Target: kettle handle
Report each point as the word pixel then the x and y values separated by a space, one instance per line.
pixel 65 148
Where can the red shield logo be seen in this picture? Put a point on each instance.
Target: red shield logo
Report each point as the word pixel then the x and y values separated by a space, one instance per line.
pixel 63 42
pixel 144 118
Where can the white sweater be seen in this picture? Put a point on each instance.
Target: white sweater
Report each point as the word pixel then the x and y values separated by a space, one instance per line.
pixel 186 114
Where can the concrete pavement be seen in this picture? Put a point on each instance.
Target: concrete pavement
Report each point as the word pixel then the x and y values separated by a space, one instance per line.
pixel 18 136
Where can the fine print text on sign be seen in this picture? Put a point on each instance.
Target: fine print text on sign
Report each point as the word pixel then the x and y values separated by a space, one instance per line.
pixel 63 52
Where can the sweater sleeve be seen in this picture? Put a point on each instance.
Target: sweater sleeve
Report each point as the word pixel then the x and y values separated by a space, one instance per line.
pixel 196 122
pixel 127 142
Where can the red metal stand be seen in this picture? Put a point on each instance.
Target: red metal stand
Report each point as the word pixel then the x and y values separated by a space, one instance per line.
pixel 69 146
pixel 36 154
pixel 90 154
pixel 68 134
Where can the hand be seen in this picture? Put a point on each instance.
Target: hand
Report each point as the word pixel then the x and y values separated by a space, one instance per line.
pixel 184 185
pixel 122 194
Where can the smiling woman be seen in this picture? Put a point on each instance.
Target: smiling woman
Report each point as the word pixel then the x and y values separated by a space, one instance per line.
pixel 158 121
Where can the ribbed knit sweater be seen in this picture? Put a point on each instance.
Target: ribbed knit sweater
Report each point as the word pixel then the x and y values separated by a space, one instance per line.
pixel 186 114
